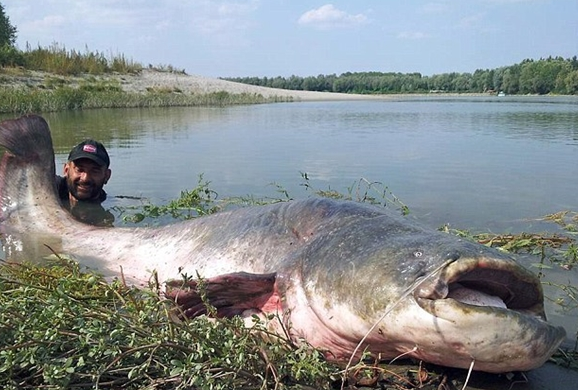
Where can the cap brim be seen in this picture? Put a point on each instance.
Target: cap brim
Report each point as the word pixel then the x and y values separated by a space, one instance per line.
pixel 92 157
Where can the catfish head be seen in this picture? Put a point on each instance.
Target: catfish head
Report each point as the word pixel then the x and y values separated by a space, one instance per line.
pixel 392 288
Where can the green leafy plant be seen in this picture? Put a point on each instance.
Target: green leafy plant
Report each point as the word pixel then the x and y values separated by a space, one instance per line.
pixel 199 201
pixel 363 191
pixel 63 328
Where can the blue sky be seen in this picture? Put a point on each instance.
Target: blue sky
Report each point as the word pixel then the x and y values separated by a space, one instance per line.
pixel 290 37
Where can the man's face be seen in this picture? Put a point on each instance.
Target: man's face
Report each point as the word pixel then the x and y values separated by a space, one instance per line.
pixel 85 178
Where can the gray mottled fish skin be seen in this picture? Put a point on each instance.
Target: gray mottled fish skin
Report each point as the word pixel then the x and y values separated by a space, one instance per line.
pixel 330 269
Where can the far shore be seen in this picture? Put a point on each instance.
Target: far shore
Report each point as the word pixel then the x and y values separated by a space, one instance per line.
pixel 200 84
pixel 148 80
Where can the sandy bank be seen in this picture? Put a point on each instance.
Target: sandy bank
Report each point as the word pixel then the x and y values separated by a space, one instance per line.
pixel 199 84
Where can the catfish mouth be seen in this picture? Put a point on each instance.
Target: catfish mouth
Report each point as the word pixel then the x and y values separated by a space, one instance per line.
pixel 487 310
pixel 486 283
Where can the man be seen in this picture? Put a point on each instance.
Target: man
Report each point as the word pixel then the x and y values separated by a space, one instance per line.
pixel 81 189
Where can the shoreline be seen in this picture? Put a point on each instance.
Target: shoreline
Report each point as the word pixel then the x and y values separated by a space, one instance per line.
pixel 200 84
pixel 149 80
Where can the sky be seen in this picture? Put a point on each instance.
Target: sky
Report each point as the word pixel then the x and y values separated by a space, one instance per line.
pixel 271 38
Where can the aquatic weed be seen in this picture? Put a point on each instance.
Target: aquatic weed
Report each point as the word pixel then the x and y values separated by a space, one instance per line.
pixel 63 328
pixel 201 200
pixel 362 190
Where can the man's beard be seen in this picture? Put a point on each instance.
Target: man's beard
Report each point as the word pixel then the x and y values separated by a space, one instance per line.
pixel 92 189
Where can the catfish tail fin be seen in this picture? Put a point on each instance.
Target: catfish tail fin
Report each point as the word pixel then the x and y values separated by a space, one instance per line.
pixel 27 137
pixel 27 172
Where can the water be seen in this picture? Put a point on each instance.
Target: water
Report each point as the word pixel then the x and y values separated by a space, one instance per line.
pixel 476 163
pixel 484 164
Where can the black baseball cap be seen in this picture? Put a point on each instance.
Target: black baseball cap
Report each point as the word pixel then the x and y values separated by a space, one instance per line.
pixel 92 150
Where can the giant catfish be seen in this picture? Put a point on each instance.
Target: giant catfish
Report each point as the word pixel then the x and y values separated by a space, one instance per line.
pixel 337 273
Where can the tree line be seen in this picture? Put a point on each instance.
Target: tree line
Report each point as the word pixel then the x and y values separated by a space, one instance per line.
pixel 554 75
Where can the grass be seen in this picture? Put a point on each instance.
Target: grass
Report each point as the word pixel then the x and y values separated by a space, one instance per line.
pixel 62 328
pixel 58 60
pixel 91 96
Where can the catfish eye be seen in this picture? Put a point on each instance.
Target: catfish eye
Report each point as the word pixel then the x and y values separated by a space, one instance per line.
pixel 418 253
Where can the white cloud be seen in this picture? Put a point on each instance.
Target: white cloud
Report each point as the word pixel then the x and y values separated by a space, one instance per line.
pixel 327 17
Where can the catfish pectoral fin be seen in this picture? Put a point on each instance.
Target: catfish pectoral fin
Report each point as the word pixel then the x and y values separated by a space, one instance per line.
pixel 230 294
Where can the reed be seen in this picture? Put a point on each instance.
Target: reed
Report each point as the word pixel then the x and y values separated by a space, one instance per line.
pixel 92 96
pixel 57 59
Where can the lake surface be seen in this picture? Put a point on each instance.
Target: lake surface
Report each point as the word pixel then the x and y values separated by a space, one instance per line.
pixel 476 163
pixel 484 164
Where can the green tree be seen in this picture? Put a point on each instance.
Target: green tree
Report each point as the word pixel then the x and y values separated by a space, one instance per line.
pixel 7 30
pixel 511 80
pixel 543 76
pixel 462 82
pixel 572 83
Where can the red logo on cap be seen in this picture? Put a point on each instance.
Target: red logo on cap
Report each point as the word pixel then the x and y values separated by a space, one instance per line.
pixel 89 148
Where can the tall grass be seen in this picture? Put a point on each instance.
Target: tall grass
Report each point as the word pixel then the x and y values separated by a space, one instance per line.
pixel 57 59
pixel 22 101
